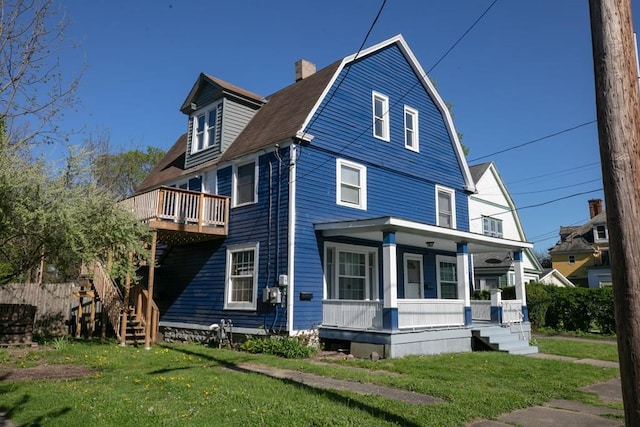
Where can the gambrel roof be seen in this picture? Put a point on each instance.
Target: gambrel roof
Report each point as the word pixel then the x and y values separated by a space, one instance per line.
pixel 288 112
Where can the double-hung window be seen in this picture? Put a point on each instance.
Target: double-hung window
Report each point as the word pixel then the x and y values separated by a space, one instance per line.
pixel 351 184
pixel 445 207
pixel 351 272
pixel 204 129
pixel 411 141
pixel 491 226
pixel 600 232
pixel 244 184
pixel 380 116
pixel 447 277
pixel 242 277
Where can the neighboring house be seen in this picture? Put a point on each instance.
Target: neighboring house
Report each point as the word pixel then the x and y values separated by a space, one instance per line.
pixel 492 212
pixel 340 202
pixel 582 254
pixel 551 276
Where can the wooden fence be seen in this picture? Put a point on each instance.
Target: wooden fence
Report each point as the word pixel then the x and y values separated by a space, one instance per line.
pixel 54 302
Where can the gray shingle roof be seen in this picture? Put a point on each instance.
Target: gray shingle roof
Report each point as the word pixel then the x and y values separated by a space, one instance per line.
pixel 478 170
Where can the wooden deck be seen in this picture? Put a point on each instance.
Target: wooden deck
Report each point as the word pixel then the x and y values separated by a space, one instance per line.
pixel 181 216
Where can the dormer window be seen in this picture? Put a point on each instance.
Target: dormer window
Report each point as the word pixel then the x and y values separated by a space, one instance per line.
pixel 204 129
pixel 600 233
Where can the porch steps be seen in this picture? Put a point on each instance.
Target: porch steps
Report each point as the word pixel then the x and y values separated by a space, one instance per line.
pixel 501 338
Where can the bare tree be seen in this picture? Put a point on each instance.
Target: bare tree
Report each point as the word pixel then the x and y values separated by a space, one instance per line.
pixel 33 89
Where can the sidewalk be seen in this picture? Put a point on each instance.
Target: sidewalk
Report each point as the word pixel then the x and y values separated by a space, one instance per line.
pixel 568 413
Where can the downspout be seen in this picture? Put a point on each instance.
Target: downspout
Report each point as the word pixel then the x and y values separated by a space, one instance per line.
pixel 291 234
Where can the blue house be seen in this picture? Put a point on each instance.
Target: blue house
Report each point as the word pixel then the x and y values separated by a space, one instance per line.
pixel 339 203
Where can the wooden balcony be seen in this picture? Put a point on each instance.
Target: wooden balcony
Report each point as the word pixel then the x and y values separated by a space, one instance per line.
pixel 181 216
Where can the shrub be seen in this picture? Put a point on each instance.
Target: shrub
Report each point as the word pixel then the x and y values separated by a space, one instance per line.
pixel 288 347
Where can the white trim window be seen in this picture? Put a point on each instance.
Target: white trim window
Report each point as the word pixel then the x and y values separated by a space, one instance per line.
pixel 245 183
pixel 204 129
pixel 600 233
pixel 447 274
pixel 571 259
pixel 380 106
pixel 491 226
pixel 411 139
pixel 445 207
pixel 351 184
pixel 241 288
pixel 351 272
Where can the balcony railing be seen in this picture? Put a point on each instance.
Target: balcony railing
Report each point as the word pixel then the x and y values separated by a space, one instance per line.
pixel 183 210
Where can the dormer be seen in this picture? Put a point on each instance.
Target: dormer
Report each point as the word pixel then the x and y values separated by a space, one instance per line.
pixel 218 111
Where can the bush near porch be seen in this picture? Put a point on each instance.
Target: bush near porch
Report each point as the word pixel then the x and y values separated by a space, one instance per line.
pixel 569 309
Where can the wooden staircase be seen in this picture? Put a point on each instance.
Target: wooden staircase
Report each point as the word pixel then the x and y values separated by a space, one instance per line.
pixel 108 293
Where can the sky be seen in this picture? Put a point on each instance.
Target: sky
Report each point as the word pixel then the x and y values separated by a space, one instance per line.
pixel 523 72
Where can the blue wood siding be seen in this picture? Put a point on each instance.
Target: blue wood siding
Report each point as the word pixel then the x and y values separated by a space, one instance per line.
pixel 191 280
pixel 400 182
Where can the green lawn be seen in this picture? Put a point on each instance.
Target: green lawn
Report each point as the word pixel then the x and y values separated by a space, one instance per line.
pixel 197 385
pixel 601 350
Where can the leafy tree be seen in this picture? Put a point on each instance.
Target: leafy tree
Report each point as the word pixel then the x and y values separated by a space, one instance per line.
pixel 47 210
pixel 61 216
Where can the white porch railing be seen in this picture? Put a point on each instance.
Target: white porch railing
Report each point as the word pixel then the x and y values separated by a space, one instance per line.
pixel 481 310
pixel 180 206
pixel 511 311
pixel 352 314
pixel 416 313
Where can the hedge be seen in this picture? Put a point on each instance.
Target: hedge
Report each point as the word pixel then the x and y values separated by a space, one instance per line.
pixel 568 309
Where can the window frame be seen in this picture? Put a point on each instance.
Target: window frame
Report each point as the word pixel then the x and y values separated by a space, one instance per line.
pixel 596 234
pixel 415 146
pixel 492 221
pixel 234 187
pixel 571 259
pixel 452 195
pixel 449 260
pixel 206 130
pixel 362 202
pixel 384 118
pixel 229 304
pixel 332 281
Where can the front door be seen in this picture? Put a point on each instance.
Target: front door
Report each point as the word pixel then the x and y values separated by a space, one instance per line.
pixel 413 277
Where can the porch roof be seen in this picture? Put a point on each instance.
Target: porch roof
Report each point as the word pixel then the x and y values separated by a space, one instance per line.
pixel 412 233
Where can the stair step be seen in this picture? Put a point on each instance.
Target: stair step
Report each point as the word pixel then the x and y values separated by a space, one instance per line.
pixel 531 349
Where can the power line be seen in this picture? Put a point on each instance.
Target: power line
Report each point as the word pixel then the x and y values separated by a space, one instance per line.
pixel 422 76
pixel 559 188
pixel 366 37
pixel 461 37
pixel 537 205
pixel 534 140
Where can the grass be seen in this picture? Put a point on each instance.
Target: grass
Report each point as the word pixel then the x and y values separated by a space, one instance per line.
pixel 604 350
pixel 198 386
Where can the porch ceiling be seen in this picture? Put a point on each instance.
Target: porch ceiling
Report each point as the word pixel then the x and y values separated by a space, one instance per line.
pixel 417 234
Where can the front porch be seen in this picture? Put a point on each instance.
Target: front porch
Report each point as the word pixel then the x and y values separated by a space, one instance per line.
pixel 393 321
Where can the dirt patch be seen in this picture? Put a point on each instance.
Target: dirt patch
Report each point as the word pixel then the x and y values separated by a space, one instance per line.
pixel 44 372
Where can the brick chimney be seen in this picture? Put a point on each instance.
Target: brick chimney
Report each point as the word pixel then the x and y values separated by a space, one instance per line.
pixel 304 69
pixel 595 207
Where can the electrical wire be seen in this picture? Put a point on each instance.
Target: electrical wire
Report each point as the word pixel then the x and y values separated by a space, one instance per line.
pixel 542 138
pixel 404 95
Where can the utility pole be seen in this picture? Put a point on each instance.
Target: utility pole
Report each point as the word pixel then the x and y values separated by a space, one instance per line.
pixel 618 113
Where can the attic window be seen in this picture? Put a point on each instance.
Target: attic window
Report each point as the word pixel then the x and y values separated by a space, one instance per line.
pixel 204 129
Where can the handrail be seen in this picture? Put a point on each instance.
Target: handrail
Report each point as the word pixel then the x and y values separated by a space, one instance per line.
pixel 107 291
pixel 140 296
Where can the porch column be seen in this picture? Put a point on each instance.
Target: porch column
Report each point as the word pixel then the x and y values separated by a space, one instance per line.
pixel 389 281
pixel 464 292
pixel 521 293
pixel 496 305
